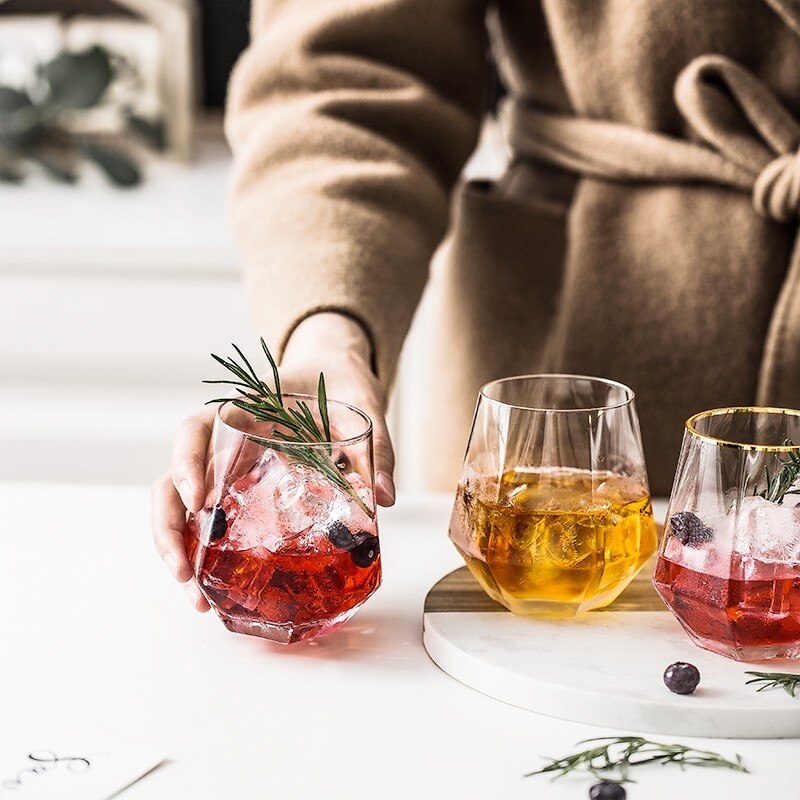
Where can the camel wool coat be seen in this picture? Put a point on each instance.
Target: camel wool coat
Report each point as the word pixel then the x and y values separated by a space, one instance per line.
pixel 644 230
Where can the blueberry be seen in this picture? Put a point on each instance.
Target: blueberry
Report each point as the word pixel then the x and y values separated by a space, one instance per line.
pixel 681 678
pixel 340 535
pixel 688 529
pixel 366 551
pixel 607 790
pixel 219 524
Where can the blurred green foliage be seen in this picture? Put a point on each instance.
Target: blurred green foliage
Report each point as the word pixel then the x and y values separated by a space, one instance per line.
pixel 39 127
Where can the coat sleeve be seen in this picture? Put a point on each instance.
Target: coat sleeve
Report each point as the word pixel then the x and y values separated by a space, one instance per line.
pixel 350 121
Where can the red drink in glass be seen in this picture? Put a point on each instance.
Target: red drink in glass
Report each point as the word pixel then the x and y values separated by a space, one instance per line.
pixel 282 551
pixel 729 562
pixel 751 612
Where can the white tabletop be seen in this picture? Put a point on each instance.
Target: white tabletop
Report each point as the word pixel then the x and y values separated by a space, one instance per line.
pixel 99 646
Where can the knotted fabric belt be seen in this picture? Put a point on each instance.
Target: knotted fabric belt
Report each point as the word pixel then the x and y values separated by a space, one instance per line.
pixel 748 142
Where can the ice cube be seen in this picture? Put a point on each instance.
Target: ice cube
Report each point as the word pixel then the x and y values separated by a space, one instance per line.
pixel 361 488
pixel 694 558
pixel 699 543
pixel 314 540
pixel 266 472
pixel 329 517
pixel 256 523
pixel 618 490
pixel 719 555
pixel 302 497
pixel 767 531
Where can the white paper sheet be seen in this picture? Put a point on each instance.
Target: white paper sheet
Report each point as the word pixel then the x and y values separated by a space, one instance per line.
pixel 50 773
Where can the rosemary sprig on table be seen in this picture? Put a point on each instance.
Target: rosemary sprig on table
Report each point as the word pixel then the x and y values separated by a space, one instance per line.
pixel 775 680
pixel 780 484
pixel 296 427
pixel 619 754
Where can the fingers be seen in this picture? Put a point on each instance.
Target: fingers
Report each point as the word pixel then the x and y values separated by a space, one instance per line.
pixel 189 458
pixel 169 517
pixel 168 520
pixel 349 378
pixel 384 460
pixel 195 596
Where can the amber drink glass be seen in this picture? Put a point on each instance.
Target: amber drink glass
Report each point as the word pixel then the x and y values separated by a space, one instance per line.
pixel 552 513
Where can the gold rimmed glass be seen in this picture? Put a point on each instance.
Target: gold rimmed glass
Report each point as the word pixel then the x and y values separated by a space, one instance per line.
pixel 729 563
pixel 552 513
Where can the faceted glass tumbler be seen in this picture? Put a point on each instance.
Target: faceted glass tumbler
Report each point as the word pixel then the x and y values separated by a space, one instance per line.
pixel 729 563
pixel 552 513
pixel 286 546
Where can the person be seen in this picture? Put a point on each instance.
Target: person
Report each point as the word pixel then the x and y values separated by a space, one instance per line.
pixel 644 229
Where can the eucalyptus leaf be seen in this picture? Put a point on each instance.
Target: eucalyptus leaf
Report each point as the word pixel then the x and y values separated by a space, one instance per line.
pixel 20 119
pixel 39 128
pixel 118 167
pixel 56 168
pixel 78 80
pixel 10 174
pixel 151 131
pixel 12 101
pixel 20 138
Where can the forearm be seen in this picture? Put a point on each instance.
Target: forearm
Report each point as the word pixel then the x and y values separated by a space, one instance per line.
pixel 347 142
pixel 328 338
pixel 338 346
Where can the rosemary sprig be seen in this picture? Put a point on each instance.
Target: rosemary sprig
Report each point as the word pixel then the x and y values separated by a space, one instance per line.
pixel 297 427
pixel 775 680
pixel 780 484
pixel 613 757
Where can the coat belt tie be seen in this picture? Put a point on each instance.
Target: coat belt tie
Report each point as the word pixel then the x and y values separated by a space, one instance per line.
pixel 745 139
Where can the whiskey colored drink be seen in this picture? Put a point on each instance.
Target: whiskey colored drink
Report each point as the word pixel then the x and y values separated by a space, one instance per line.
pixel 553 541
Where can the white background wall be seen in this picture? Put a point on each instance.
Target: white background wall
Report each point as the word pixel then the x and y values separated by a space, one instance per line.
pixel 110 303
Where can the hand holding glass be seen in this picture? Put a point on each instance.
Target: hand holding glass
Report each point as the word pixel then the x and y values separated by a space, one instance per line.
pixel 286 546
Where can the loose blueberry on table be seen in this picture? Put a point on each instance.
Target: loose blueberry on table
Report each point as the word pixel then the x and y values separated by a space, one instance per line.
pixel 681 678
pixel 607 790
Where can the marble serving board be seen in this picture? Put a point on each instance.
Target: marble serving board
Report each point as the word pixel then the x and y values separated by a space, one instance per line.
pixel 604 668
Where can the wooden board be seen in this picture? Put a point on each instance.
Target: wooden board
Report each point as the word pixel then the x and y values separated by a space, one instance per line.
pixel 460 592
pixel 603 668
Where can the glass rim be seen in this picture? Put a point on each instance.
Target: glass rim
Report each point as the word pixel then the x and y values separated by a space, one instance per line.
pixel 268 440
pixel 630 395
pixel 717 440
